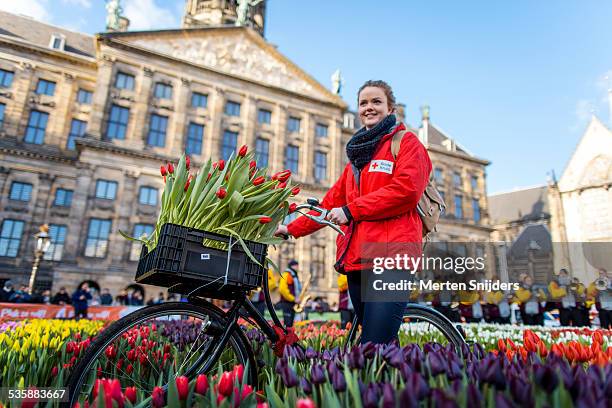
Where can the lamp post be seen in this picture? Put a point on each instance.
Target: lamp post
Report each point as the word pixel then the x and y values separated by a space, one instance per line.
pixel 42 245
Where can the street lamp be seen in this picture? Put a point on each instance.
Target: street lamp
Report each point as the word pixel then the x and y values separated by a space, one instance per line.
pixel 42 245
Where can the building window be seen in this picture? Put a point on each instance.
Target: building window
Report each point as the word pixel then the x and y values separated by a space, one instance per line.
pixel 228 146
pixel 77 129
pixel 199 100
pixel 262 146
pixel 460 250
pixel 147 196
pixel 45 87
pixel 321 130
pixel 292 158
pixel 106 189
pixel 140 231
pixel 57 235
pixel 195 134
pixel 63 198
pixel 58 41
pixel 476 209
pixel 84 96
pixel 97 238
pixel 318 262
pixel 20 191
pixel 162 91
pixel 293 124
pixel 37 126
pixel 10 237
pixel 2 109
pixel 474 182
pixel 157 130
pixel 124 81
pixel 320 169
pixel 117 122
pixel 457 179
pixel 232 108
pixel 458 206
pixel 264 116
pixel 439 176
pixel 6 78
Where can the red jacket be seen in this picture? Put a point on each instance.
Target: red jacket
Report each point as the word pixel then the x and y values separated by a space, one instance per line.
pixel 383 206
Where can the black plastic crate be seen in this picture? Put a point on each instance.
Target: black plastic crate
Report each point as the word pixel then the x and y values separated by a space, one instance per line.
pixel 181 263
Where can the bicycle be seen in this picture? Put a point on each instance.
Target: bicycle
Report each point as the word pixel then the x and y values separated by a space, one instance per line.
pixel 202 337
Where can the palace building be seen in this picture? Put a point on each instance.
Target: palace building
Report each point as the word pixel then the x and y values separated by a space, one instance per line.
pixel 86 121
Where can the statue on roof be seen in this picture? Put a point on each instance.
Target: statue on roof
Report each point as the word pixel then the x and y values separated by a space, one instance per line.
pixel 242 11
pixel 113 16
pixel 337 82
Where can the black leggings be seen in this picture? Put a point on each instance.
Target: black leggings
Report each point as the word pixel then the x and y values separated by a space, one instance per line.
pixel 380 321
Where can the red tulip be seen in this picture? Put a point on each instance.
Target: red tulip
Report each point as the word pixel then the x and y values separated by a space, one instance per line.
pixel 182 386
pixel 238 372
pixel 163 171
pixel 54 371
pixel 226 384
pixel 157 398
pixel 129 369
pixel 130 394
pixel 143 359
pixel 282 185
pixel 264 220
pixel 170 168
pixel 501 346
pixel 201 385
pixel 292 208
pixel 282 175
pixel 259 180
pixel 221 164
pixel 305 403
pixel 597 337
pixel 252 164
pixel 131 355
pixel 243 151
pixel 295 191
pixel 119 364
pixel 221 193
pixel 187 184
pixel 187 162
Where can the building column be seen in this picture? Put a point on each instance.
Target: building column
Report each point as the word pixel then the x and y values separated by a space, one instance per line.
pixel 78 211
pixel 60 127
pixel 99 102
pixel 307 166
pixel 248 119
pixel 17 111
pixel 139 112
pixel 212 144
pixel 178 137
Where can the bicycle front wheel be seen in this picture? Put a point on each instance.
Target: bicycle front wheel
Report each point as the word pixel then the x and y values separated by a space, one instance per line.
pixel 156 344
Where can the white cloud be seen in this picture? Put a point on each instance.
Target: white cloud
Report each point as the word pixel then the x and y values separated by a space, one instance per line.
pixel 147 15
pixel 82 3
pixel 36 9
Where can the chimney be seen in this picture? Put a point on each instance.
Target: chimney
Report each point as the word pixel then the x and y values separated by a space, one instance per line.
pixel 424 130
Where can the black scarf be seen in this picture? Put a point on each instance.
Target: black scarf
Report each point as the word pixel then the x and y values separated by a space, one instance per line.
pixel 362 145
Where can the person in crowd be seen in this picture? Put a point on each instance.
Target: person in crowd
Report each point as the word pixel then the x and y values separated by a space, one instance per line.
pixel 600 292
pixel 496 308
pixel 137 298
pixel 45 297
pixel 79 301
pixel 470 307
pixel 375 199
pixel 121 298
pixel 106 299
pixel 290 289
pixel 61 297
pixel 344 301
pixel 21 295
pixel 129 299
pixel 7 291
pixel 561 297
pixel 529 300
pixel 580 314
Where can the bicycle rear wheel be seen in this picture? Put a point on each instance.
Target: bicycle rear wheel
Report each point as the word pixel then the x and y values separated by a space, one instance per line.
pixel 421 325
pixel 154 345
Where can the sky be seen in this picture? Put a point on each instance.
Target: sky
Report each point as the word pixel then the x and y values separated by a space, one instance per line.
pixel 513 82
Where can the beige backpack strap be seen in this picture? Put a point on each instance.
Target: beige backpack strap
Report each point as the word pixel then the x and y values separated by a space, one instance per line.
pixel 396 142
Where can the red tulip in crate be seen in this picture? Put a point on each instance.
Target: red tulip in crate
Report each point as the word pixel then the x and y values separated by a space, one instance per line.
pixel 187 260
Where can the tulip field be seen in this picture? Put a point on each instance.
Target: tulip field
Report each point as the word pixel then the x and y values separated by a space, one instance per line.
pixel 504 366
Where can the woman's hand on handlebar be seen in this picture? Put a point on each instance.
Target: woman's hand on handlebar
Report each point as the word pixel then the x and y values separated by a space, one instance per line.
pixel 337 216
pixel 282 231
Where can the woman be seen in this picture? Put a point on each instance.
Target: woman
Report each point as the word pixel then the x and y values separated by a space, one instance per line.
pixel 375 201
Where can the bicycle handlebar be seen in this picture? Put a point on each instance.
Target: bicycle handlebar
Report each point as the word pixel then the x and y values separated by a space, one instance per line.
pixel 312 204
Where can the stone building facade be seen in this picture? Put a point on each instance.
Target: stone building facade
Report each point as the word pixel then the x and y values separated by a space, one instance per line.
pixel 86 121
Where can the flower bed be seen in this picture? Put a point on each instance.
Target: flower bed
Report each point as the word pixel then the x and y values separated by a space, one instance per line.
pixel 544 367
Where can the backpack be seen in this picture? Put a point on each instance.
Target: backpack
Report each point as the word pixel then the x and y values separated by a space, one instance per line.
pixel 431 204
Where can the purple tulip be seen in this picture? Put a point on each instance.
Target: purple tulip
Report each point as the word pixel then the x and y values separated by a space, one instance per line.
pixel 388 400
pixel 338 381
pixel 280 363
pixel 306 386
pixel 289 377
pixel 356 360
pixel 368 349
pixel 441 400
pixel 407 400
pixel 327 355
pixel 545 377
pixel 501 401
pixel 417 386
pixel 454 371
pixel 437 365
pixel 396 359
pixel 370 396
pixel 473 397
pixel 491 372
pixel 405 371
pixel 608 384
pixel 311 353
pixel 478 351
pixel 317 374
pixel 521 391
